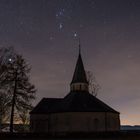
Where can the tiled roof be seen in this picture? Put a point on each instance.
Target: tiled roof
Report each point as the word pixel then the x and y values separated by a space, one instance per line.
pixel 73 102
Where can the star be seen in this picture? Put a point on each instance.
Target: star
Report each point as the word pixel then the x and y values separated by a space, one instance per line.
pixel 21 22
pixel 60 13
pixel 10 60
pixel 81 25
pixel 75 34
pixel 60 26
pixel 51 38
pixel 57 15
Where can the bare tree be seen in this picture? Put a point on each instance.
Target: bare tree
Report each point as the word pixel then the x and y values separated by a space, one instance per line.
pixel 15 78
pixel 5 55
pixel 24 117
pixel 94 87
pixel 4 108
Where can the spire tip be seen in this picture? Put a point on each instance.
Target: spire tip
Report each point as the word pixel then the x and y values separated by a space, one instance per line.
pixel 79 46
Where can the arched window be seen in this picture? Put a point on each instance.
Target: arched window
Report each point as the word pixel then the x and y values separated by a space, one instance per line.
pixel 96 124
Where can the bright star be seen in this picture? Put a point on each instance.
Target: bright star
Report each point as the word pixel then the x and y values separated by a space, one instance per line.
pixel 60 26
pixel 75 34
pixel 10 60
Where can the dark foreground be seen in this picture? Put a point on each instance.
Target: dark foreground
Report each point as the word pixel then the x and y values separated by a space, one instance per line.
pixel 121 135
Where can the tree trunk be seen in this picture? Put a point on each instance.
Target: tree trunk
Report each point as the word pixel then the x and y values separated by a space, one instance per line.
pixel 13 104
pixel 12 114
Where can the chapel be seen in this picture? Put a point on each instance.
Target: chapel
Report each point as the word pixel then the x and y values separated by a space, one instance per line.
pixel 78 111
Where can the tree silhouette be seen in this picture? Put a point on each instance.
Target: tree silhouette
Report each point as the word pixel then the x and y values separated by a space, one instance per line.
pixel 4 107
pixel 5 55
pixel 94 87
pixel 15 81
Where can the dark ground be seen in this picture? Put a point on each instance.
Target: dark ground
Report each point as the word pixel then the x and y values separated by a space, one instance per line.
pixel 121 135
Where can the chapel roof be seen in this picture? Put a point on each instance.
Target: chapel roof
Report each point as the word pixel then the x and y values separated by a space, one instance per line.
pixel 73 102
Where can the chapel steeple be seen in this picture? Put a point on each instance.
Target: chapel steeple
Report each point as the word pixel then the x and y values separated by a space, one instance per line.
pixel 79 81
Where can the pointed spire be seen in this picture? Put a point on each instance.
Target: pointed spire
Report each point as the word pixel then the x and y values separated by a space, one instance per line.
pixel 79 81
pixel 79 73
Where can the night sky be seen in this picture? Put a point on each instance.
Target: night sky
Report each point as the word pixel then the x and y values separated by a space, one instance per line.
pixel 46 32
